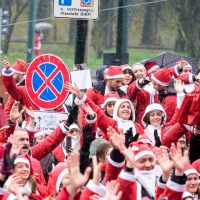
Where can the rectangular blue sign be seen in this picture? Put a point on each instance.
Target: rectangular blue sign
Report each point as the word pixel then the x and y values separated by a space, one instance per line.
pixel 65 2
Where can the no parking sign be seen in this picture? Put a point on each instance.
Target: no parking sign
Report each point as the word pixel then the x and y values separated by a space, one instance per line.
pixel 45 79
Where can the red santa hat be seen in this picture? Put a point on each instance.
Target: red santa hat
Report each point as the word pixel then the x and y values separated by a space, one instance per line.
pixel 141 150
pixel 151 66
pixel 114 72
pixel 162 77
pixel 74 126
pixel 24 159
pixel 3 120
pixel 56 176
pixel 38 133
pixel 189 169
pixel 19 66
pixel 196 165
pixel 144 139
pixel 112 96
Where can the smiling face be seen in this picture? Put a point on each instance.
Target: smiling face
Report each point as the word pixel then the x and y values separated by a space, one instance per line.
pixel 22 170
pixel 139 71
pixel 192 183
pixel 124 111
pixel 155 118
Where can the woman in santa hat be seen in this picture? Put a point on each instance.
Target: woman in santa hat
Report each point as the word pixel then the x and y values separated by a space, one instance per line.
pixel 29 187
pixel 123 115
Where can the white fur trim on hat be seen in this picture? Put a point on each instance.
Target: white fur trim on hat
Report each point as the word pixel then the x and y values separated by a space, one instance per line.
pixel 190 171
pixel 109 100
pixel 60 178
pixel 154 68
pixel 115 76
pixel 126 67
pixel 143 153
pixel 158 81
pixel 22 160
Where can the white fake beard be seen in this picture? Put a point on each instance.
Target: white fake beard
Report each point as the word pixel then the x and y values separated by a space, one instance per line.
pixel 75 143
pixel 148 180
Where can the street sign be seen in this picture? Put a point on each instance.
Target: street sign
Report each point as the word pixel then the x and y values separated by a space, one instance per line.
pixel 76 9
pixel 45 79
pixel 47 121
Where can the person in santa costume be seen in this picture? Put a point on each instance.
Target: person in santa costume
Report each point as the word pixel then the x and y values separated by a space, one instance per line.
pixel 19 68
pixel 141 91
pixel 192 182
pixel 38 37
pixel 161 80
pixel 153 121
pixel 128 77
pixel 112 83
pixel 23 169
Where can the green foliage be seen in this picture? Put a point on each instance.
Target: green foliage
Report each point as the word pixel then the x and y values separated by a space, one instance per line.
pixel 66 52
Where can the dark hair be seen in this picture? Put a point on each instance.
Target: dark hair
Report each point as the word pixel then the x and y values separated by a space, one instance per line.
pixel 147 120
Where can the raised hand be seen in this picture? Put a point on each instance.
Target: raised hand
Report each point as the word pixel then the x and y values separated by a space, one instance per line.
pixel 117 139
pixel 7 161
pixel 179 86
pixel 88 110
pixel 179 158
pixel 112 192
pixel 73 89
pixel 6 64
pixel 29 112
pixel 164 161
pixel 14 113
pixel 76 179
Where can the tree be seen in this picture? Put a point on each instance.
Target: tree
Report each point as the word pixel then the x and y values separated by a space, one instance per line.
pixel 102 30
pixel 189 20
pixel 150 23
pixel 16 8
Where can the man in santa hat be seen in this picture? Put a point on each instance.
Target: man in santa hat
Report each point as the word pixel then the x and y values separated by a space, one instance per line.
pixel 162 79
pixel 112 83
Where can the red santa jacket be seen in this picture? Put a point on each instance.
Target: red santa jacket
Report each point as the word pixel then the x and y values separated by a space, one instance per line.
pixel 144 97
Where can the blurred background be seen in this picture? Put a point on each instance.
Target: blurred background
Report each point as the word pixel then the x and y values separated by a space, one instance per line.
pixel 151 27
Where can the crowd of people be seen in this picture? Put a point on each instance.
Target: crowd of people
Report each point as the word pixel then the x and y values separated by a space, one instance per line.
pixel 135 135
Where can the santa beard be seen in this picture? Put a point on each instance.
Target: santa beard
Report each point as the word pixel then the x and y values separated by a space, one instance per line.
pixel 148 179
pixel 75 143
